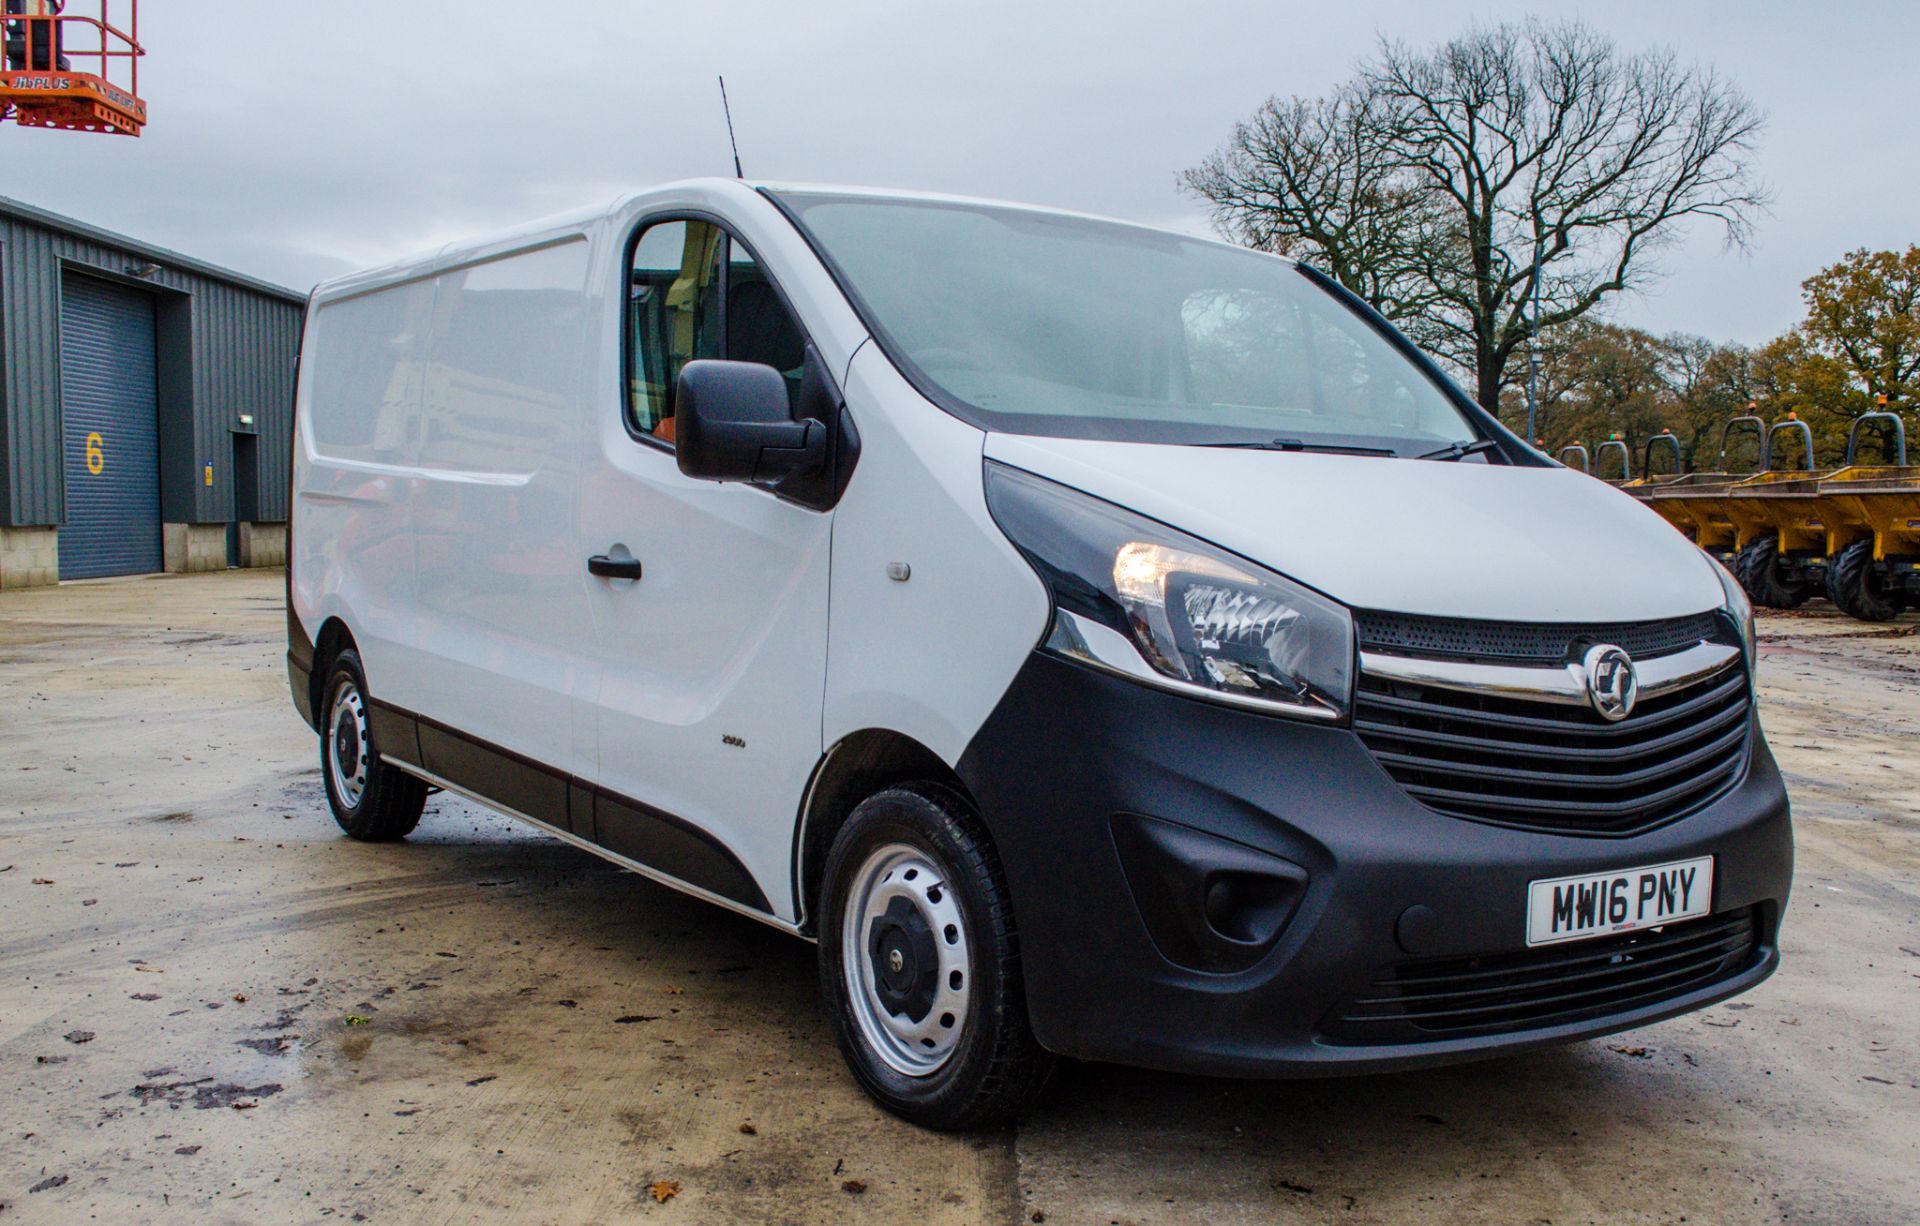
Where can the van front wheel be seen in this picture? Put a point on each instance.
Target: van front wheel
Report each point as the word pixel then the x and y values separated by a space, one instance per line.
pixel 371 800
pixel 920 964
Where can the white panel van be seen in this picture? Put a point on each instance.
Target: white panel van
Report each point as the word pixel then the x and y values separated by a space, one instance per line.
pixel 1101 642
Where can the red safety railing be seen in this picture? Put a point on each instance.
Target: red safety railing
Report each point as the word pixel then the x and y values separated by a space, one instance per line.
pixel 75 71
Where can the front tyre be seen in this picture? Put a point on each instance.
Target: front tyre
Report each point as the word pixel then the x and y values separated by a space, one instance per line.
pixel 1856 587
pixel 371 800
pixel 1759 568
pixel 920 963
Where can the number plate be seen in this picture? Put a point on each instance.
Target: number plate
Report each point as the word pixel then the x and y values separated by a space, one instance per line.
pixel 1600 904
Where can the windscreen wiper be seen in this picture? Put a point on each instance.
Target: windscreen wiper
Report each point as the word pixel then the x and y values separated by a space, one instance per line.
pixel 1460 451
pixel 1294 444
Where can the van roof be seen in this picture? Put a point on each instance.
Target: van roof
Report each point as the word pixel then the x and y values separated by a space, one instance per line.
pixel 559 226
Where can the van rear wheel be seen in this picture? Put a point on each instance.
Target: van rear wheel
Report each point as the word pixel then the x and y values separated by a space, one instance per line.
pixel 372 801
pixel 920 966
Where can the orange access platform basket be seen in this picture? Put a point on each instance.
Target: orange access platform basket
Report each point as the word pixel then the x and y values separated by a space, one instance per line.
pixel 78 72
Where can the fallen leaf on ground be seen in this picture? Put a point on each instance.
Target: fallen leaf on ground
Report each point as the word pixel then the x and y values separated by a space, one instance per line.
pixel 749 1130
pixel 1638 1053
pixel 78 1036
pixel 664 1190
pixel 43 881
pixel 854 1187
pixel 239 998
pixel 151 970
pixel 356 1019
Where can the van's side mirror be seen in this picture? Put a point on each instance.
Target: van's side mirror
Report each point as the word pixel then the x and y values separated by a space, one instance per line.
pixel 732 423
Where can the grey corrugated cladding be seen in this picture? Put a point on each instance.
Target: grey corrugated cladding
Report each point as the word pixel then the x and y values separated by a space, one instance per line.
pixel 234 338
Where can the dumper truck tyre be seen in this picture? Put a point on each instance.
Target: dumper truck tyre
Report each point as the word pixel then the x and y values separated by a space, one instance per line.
pixel 372 801
pixel 1758 569
pixel 920 963
pixel 1856 589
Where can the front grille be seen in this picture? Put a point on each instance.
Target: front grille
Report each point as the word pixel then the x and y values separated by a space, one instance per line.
pixel 1559 767
pixel 1551 986
pixel 1454 638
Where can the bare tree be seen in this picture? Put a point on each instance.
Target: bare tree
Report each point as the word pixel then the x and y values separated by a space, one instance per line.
pixel 1427 183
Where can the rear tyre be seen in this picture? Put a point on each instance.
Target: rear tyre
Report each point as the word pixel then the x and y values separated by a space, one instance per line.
pixel 1759 571
pixel 372 801
pixel 1856 589
pixel 920 964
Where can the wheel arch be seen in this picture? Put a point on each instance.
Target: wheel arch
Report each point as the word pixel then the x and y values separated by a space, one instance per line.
pixel 334 638
pixel 858 765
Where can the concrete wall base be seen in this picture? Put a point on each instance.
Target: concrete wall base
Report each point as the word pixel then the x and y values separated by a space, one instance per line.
pixel 190 548
pixel 29 557
pixel 263 544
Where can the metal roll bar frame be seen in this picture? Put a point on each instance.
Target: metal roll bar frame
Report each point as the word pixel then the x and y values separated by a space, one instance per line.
pixel 1646 456
pixel 1898 434
pixel 1760 437
pixel 1626 458
pixel 1806 436
pixel 1585 459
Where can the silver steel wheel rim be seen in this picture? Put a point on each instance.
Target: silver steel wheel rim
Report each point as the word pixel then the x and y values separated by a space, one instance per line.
pixel 347 748
pixel 898 871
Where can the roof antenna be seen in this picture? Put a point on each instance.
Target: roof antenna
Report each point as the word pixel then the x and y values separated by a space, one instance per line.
pixel 737 172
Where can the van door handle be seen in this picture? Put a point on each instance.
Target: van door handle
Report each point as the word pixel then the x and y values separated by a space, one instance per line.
pixel 613 568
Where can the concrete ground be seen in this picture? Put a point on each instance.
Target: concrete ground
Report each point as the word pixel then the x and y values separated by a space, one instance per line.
pixel 214 1008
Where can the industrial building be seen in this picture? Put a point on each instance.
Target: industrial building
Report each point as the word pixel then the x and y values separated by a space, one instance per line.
pixel 146 406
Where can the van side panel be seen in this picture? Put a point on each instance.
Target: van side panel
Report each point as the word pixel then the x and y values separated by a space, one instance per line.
pixel 932 656
pixel 713 664
pixel 503 647
pixel 359 424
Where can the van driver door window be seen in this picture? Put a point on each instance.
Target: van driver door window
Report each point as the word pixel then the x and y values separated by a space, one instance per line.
pixel 676 301
pixel 695 292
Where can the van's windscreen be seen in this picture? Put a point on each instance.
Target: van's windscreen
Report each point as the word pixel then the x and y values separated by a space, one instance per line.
pixel 1036 323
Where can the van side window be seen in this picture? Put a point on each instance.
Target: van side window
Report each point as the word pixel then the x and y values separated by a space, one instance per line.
pixel 674 303
pixel 693 292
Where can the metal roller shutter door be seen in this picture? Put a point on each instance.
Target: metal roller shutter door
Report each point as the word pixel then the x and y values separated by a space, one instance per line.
pixel 110 431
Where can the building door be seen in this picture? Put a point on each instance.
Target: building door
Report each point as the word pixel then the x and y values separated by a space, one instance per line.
pixel 110 430
pixel 246 494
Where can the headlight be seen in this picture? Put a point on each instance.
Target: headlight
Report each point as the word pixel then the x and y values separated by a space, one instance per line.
pixel 1139 598
pixel 1738 607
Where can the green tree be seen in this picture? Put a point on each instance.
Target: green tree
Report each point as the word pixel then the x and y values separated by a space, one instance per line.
pixel 1860 342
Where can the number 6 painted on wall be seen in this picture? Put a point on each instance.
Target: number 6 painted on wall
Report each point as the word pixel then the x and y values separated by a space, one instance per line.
pixel 96 457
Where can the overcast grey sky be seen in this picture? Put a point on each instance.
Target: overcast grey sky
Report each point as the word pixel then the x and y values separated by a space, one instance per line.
pixel 296 140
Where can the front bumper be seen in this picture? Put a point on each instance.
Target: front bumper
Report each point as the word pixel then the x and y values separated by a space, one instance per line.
pixel 1071 749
